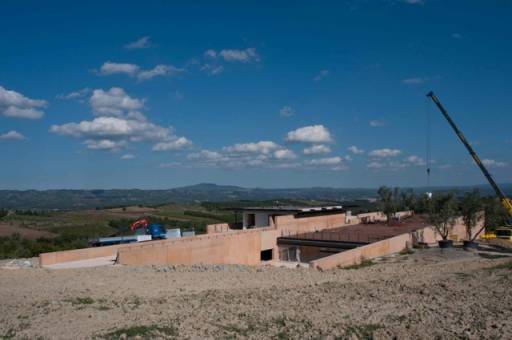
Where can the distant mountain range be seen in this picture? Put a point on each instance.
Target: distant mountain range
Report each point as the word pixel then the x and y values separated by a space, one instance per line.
pixel 86 199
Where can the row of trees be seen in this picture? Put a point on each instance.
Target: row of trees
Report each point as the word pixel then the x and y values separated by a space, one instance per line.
pixel 443 209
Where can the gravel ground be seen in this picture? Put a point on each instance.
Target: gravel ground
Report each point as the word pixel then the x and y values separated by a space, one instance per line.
pixel 425 295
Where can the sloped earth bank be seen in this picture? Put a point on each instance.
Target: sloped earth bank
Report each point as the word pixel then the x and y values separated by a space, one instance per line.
pixel 426 295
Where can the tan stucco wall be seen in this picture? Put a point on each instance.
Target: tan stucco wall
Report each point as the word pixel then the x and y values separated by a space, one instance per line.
pixel 389 246
pixel 236 247
pixel 289 224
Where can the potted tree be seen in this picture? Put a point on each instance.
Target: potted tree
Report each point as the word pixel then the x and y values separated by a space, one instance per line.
pixel 471 210
pixel 442 212
pixel 387 202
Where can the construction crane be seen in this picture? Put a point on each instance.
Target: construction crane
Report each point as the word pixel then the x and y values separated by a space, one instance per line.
pixel 505 201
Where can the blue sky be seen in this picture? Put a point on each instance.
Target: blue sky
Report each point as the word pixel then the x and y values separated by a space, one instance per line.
pixel 159 94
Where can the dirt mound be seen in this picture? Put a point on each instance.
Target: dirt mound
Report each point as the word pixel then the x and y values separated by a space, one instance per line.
pixel 425 295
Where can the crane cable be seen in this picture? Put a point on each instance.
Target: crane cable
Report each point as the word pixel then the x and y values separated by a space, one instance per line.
pixel 428 142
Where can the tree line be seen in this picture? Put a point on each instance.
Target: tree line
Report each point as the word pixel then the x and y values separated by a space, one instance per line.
pixel 442 208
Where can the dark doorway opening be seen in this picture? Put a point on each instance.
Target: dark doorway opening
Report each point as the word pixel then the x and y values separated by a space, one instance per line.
pixel 251 220
pixel 266 255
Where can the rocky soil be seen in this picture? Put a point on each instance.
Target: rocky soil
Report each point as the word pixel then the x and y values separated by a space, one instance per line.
pixel 425 295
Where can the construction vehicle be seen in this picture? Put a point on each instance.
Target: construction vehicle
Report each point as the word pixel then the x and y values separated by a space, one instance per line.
pixel 149 232
pixel 502 232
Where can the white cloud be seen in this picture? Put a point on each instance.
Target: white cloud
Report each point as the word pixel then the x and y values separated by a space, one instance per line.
pixel 355 150
pixel 28 113
pixel 383 153
pixel 133 70
pixel 415 160
pixel 326 161
pixel 114 127
pixel 284 154
pixel 16 105
pixel 207 155
pixel 210 54
pixel 493 163
pixel 321 75
pixel 376 123
pixel 375 165
pixel 233 55
pixel 159 70
pixel 310 134
pixel 177 144
pixel 113 102
pixel 317 149
pixel 104 144
pixel 12 135
pixel 264 147
pixel 75 94
pixel 118 124
pixel 212 69
pixel 141 43
pixel 127 156
pixel 286 111
pixel 414 80
pixel 109 68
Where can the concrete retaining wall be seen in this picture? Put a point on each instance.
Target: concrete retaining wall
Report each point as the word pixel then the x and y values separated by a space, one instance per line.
pixel 389 246
pixel 236 247
pixel 290 224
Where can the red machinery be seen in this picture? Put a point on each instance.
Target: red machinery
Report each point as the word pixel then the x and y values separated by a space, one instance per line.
pixel 142 223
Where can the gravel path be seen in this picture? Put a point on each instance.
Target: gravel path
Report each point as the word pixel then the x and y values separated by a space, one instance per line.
pixel 425 295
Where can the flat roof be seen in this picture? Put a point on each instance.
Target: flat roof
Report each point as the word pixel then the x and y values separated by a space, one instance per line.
pixel 292 209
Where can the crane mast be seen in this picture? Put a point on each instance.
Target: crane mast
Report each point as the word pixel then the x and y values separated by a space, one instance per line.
pixel 505 201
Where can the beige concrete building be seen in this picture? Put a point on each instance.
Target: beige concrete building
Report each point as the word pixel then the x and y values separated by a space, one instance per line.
pixel 319 237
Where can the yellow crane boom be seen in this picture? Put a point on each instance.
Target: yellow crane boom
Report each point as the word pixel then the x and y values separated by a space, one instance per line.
pixel 505 201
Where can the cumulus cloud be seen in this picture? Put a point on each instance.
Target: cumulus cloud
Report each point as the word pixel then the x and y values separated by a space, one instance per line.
pixel 493 163
pixel 109 68
pixel 383 153
pixel 317 149
pixel 12 135
pixel 113 102
pixel 264 147
pixel 355 150
pixel 284 154
pixel 104 144
pixel 207 155
pixel 119 123
pixel 286 111
pixel 16 105
pixel 323 74
pixel 113 127
pixel 376 123
pixel 178 144
pixel 394 165
pixel 233 55
pixel 415 160
pixel 128 156
pixel 212 69
pixel 310 134
pixel 159 70
pixel 132 70
pixel 326 161
pixel 144 42
pixel 75 94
